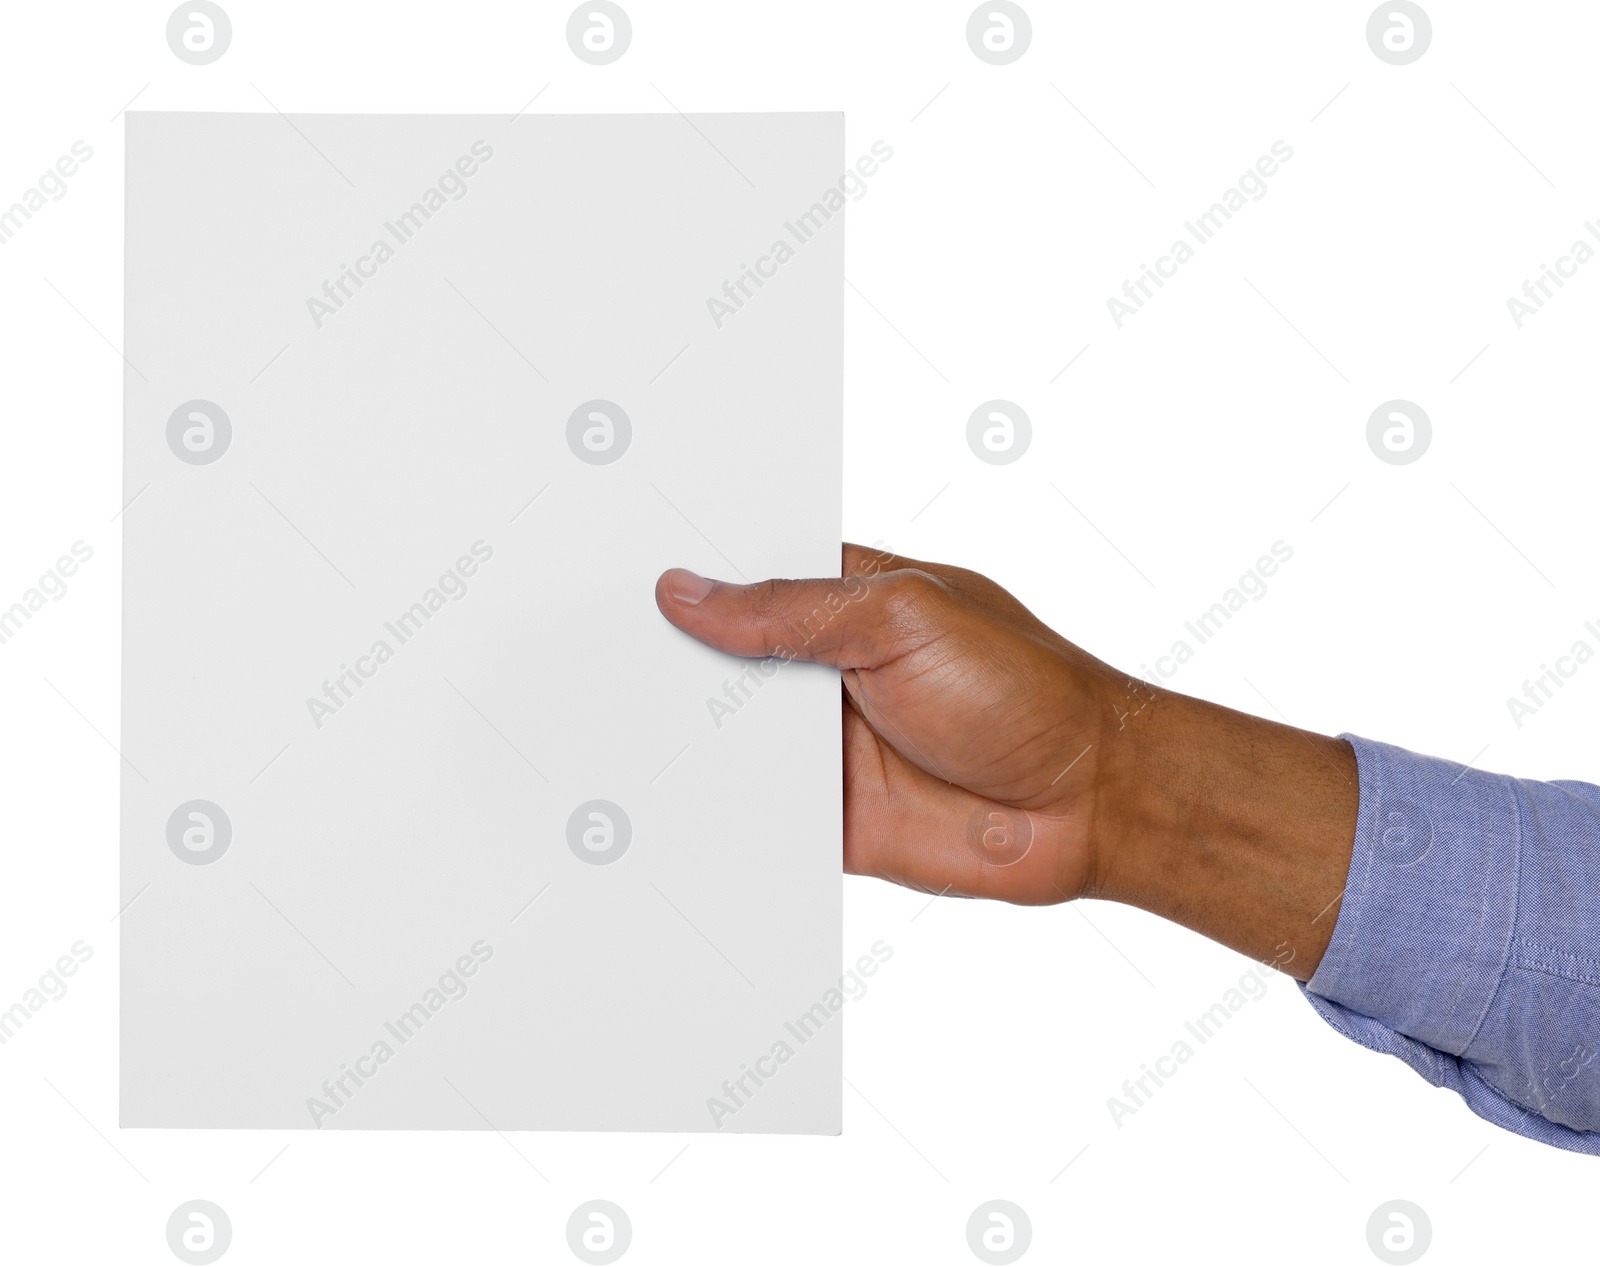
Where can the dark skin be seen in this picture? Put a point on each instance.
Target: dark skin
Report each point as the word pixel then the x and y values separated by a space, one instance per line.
pixel 987 756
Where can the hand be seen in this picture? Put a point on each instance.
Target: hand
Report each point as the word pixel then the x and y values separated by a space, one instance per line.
pixel 987 756
pixel 960 709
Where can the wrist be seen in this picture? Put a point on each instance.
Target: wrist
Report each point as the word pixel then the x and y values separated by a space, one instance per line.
pixel 1231 825
pixel 1144 792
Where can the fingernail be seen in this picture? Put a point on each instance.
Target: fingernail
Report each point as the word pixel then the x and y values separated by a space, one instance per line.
pixel 686 586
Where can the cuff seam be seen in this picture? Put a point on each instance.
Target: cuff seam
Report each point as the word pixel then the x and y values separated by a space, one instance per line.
pixel 1514 901
pixel 1353 899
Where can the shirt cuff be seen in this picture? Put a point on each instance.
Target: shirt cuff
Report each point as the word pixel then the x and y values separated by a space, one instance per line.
pixel 1425 922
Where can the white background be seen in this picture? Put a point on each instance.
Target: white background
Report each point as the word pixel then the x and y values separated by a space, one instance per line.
pixel 1207 428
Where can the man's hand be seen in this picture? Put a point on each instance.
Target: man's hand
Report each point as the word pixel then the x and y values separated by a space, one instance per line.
pixel 987 756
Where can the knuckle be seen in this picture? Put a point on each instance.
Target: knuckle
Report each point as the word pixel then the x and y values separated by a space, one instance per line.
pixel 911 598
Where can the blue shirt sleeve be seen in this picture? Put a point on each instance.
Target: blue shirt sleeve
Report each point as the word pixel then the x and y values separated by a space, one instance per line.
pixel 1468 939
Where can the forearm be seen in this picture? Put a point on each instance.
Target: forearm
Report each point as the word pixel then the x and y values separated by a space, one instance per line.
pixel 1235 827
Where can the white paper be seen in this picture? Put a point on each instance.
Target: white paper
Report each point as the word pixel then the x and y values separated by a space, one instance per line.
pixel 385 618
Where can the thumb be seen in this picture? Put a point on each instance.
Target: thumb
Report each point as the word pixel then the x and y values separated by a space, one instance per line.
pixel 848 622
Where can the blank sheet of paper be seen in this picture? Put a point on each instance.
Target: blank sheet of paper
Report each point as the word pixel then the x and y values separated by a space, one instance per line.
pixel 429 819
